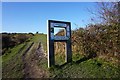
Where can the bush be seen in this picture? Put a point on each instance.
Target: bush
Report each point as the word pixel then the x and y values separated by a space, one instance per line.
pixel 95 40
pixel 12 39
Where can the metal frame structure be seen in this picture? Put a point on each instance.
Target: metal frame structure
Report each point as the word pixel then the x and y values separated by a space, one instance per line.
pixel 51 38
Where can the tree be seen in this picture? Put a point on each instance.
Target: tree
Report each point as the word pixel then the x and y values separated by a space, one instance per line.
pixel 107 12
pixel 37 32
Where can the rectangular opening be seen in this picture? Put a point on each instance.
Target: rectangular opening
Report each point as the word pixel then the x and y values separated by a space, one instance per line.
pixel 59 51
pixel 59 31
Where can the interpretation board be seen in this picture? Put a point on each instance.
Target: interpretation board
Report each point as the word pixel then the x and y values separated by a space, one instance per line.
pixel 51 38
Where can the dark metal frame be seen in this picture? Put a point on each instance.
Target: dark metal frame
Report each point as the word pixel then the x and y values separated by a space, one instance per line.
pixel 50 42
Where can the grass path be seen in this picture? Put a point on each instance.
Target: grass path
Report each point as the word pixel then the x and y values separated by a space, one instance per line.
pixel 32 58
pixel 23 60
pixel 28 60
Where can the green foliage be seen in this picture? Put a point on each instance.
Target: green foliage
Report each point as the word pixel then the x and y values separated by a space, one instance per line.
pixel 79 68
pixel 95 52
pixel 10 40
pixel 101 41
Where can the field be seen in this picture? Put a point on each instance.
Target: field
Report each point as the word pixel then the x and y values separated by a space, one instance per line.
pixel 94 34
pixel 29 60
pixel 18 61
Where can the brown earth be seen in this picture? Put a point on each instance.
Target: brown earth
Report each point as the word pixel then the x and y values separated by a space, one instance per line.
pixel 31 59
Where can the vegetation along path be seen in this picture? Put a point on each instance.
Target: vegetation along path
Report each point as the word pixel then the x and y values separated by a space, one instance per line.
pixel 24 60
pixel 27 60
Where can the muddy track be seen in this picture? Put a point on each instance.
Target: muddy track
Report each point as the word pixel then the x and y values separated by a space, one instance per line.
pixel 31 58
pixel 28 49
pixel 23 58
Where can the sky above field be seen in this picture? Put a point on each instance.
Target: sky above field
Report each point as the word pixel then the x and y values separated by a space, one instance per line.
pixel 25 17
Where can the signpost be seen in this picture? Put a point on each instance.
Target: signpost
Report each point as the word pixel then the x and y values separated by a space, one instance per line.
pixel 51 38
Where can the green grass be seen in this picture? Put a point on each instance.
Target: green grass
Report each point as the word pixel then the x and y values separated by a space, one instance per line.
pixel 8 56
pixel 40 38
pixel 12 62
pixel 59 59
pixel 92 68
pixel 76 56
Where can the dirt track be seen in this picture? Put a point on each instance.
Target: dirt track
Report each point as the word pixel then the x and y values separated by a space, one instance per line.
pixel 31 58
